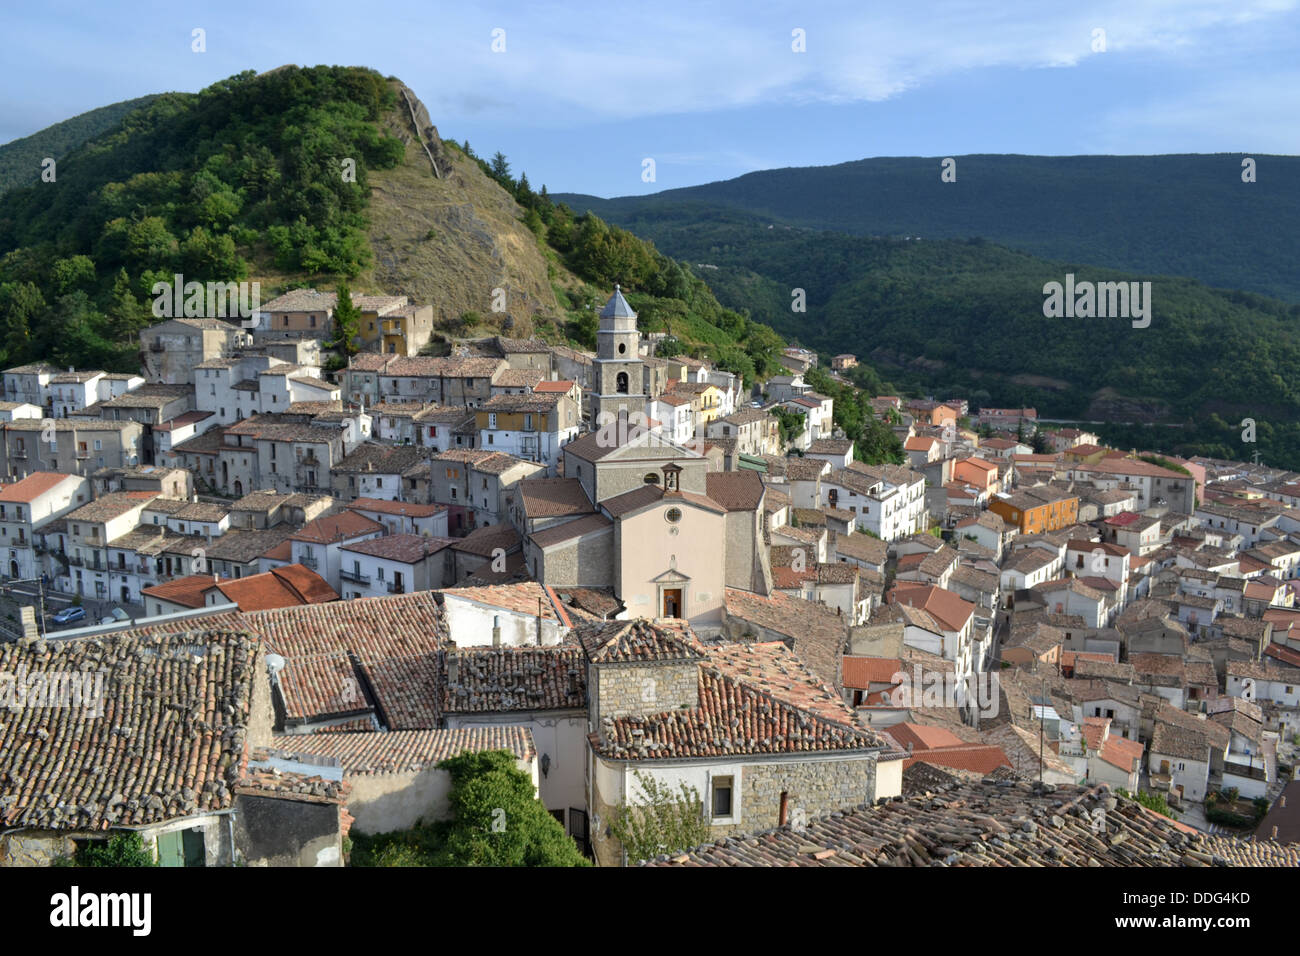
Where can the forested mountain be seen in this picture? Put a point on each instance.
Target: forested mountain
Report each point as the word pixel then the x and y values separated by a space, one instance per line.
pixel 966 318
pixel 1183 214
pixel 312 176
pixel 21 159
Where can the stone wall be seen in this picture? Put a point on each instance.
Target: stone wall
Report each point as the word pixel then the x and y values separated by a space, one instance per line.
pixel 813 788
pixel 585 563
pixel 620 689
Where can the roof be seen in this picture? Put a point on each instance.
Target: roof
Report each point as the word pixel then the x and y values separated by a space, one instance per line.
pixel 33 486
pixel 646 495
pixel 340 526
pixel 165 737
pixel 407 548
pixel 815 633
pixel 570 530
pixel 108 507
pixel 512 679
pixel 735 490
pixel 402 751
pixel 364 656
pixel 861 672
pixel 638 640
pixel 945 606
pixel 486 539
pixel 989 823
pixel 553 497
pixel 407 509
pixel 617 307
pixel 733 717
pixel 279 587
pixel 562 385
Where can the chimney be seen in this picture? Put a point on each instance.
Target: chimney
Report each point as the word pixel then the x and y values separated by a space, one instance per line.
pixel 1281 802
pixel 1274 836
pixel 539 622
pixel 453 667
pixel 496 630
pixel 27 617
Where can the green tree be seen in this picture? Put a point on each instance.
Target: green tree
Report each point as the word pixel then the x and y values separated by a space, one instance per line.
pixel 347 323
pixel 120 849
pixel 667 821
pixel 501 170
pixel 21 306
pixel 497 821
pixel 126 316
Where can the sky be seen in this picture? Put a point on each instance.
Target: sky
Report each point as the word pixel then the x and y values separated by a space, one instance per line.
pixel 579 95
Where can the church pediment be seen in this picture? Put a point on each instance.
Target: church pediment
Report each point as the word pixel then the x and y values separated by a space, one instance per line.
pixel 671 576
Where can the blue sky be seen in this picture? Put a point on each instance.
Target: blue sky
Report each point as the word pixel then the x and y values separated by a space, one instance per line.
pixel 583 93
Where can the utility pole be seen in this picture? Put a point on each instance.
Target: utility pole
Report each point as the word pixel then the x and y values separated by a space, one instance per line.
pixel 40 594
pixel 1042 714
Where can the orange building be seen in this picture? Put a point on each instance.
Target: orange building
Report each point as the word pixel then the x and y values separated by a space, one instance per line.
pixel 1037 509
pixel 977 473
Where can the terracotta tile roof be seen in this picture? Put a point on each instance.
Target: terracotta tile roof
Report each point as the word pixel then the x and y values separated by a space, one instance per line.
pixel 511 679
pixel 521 598
pixel 734 717
pixel 735 490
pixel 408 509
pixel 170 741
pixel 486 539
pixel 402 751
pixel 646 495
pixel 976 758
pixel 943 605
pixel 340 526
pixel 108 507
pixel 279 587
pixel 772 667
pixel 553 497
pixel 559 385
pixel 570 530
pixel 815 633
pixel 991 823
pixel 407 548
pixel 32 487
pixel 638 640
pixel 861 672
pixel 187 591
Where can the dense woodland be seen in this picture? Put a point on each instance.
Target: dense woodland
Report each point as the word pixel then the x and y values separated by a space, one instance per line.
pixel 966 318
pixel 1187 215
pixel 21 160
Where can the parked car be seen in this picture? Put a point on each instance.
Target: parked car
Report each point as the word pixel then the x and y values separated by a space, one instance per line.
pixel 115 616
pixel 70 614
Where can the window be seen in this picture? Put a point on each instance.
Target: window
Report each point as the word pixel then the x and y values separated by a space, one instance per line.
pixel 651 478
pixel 492 420
pixel 673 515
pixel 722 797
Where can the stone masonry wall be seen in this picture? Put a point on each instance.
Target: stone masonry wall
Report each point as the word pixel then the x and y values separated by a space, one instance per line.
pixel 644 688
pixel 813 789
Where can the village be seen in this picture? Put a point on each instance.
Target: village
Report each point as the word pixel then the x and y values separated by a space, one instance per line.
pixel 303 590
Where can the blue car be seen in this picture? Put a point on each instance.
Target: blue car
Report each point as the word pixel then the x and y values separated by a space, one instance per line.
pixel 70 614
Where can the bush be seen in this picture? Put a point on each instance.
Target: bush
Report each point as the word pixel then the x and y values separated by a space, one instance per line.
pixel 120 849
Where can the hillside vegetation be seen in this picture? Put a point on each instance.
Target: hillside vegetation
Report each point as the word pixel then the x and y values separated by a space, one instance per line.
pixel 1188 215
pixel 312 177
pixel 966 317
pixel 21 159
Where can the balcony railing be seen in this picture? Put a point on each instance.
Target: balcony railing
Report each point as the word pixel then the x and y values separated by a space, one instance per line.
pixel 354 576
pixel 395 588
pixel 309 562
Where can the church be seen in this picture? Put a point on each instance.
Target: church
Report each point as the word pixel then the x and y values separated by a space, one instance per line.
pixel 656 521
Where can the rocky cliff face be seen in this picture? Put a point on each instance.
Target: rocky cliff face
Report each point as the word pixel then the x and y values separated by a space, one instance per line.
pixel 453 239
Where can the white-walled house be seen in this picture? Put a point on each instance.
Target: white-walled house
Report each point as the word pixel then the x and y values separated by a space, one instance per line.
pixel 393 564
pixel 510 615
pixel 318 544
pixel 26 506
pixel 404 517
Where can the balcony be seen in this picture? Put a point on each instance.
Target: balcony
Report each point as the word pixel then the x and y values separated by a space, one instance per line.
pixel 395 588
pixel 309 562
pixel 75 561
pixel 354 576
